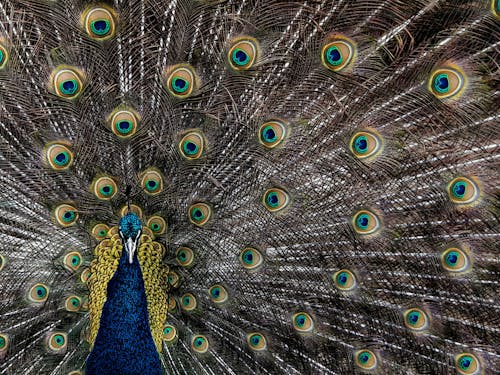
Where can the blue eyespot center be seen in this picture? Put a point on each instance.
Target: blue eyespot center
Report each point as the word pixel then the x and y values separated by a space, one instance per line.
pixel 62 158
pixel 75 260
pixel 342 278
pixel 197 214
pixel 452 258
pixel 155 226
pixel 190 148
pixel 255 340
pixel 216 292
pixel 413 317
pixel 198 342
pixel 363 221
pixel 180 85
pixel 364 357
pixel 361 144
pixel 167 330
pixel 68 216
pixel 240 57
pixel 100 27
pixel 272 199
pixel 441 83
pixel 69 87
pixel 269 134
pixel 124 126
pixel 458 189
pixel 248 257
pixel 465 362
pixel 333 56
pixel 300 320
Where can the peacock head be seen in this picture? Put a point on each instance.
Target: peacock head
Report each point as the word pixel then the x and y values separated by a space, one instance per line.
pixel 130 231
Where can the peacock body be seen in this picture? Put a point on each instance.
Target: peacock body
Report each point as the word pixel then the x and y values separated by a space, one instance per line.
pixel 249 187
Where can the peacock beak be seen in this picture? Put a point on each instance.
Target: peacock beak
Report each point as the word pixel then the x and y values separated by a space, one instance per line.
pixel 130 247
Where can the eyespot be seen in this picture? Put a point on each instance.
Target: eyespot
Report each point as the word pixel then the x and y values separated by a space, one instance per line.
pixel 4 56
pixel 173 279
pixel 454 259
pixel 191 145
pixel 72 261
pixel 243 53
pixel 157 224
pixel 344 280
pixel 104 188
pixel 199 344
pixel 99 23
pixel 2 261
pixel 302 322
pixel 199 214
pixel 272 133
pixel 218 294
pixel 169 333
pixel 57 341
pixel 467 364
pixel 99 231
pixel 73 303
pixel 65 215
pixel 416 319
pixel 257 341
pixel 338 54
pixel 251 258
pixel 462 190
pixel 365 144
pixel 446 82
pixel 188 302
pixel 66 82
pixel 180 80
pixel 172 304
pixel 366 359
pixel 39 293
pixel 124 123
pixel 135 209
pixel 58 156
pixel 495 8
pixel 85 275
pixel 184 256
pixel 152 182
pixel 366 222
pixel 275 199
pixel 4 342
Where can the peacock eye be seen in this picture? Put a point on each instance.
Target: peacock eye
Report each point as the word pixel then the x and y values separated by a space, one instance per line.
pixel 184 256
pixel 218 294
pixel 188 302
pixel 344 280
pixel 275 199
pixel 251 258
pixel 135 209
pixel 169 333
pixel 446 82
pixel 157 224
pixel 65 215
pixel 85 275
pixel 243 53
pixel 455 260
pixel 199 344
pixel 257 341
pixel 199 214
pixel 73 303
pixel 59 156
pixel 416 319
pixel 99 231
pixel 4 56
pixel 467 364
pixel 104 188
pixel 180 80
pixel 463 190
pixel 365 144
pixel 99 23
pixel 272 133
pixel 124 123
pixel 366 222
pixel 191 145
pixel 366 359
pixel 338 54
pixel 302 322
pixel 39 293
pixel 173 279
pixel 57 341
pixel 66 82
pixel 4 342
pixel 152 182
pixel 72 261
pixel 172 304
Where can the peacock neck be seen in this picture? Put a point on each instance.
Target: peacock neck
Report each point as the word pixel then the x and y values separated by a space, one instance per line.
pixel 124 342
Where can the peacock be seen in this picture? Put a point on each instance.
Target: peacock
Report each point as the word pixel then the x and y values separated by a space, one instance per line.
pixel 249 187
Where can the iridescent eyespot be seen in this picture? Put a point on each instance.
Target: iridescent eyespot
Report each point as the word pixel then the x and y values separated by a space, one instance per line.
pixel 366 359
pixel 446 82
pixel 172 304
pixel 416 319
pixel 99 231
pixel 302 322
pixel 366 222
pixel 152 182
pixel 275 199
pixel 135 209
pixel 199 344
pixel 256 341
pixel 99 22
pixel 454 259
pixel 173 279
pixel 251 258
pixel 272 133
pixel 4 56
pixel 180 80
pixel 2 261
pixel 104 188
pixel 199 214
pixel 184 256
pixel 58 156
pixel 57 341
pixel 188 302
pixel 243 53
pixel 169 333
pixel 85 275
pixel 157 225
pixel 344 280
pixel 39 293
pixel 65 215
pixel 192 144
pixel 365 144
pixel 73 303
pixel 4 342
pixel 218 294
pixel 338 53
pixel 66 82
pixel 124 122
pixel 467 364
pixel 72 261
pixel 463 190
